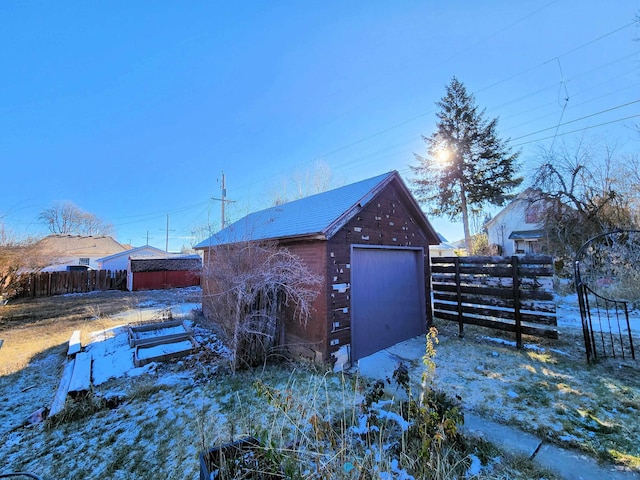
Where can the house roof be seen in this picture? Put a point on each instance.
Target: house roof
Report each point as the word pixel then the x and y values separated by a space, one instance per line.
pixel 144 250
pixel 523 198
pixel 526 235
pixel 319 216
pixel 79 245
pixel 166 256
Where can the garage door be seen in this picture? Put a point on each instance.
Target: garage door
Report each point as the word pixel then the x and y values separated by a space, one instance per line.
pixel 387 297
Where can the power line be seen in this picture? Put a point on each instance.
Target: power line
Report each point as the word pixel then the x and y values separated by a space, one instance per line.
pixel 579 130
pixel 528 69
pixel 397 125
pixel 578 119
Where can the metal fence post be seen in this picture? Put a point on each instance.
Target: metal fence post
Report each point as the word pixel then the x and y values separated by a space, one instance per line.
pixel 516 300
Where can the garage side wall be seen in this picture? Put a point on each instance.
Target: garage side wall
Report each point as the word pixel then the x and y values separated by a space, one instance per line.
pixel 310 340
pixel 155 274
pixel 300 341
pixel 386 221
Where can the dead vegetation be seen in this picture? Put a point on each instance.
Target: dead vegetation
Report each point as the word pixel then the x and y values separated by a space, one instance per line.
pixel 30 327
pixel 249 290
pixel 160 422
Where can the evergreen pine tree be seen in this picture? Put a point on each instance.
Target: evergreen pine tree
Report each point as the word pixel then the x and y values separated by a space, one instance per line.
pixel 467 165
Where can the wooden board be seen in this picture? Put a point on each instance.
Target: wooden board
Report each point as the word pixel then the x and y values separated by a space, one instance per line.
pixel 81 377
pixel 158 333
pixel 143 353
pixel 74 344
pixel 63 388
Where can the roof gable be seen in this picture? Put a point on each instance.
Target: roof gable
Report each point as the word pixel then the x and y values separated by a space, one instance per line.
pixel 77 245
pixel 320 215
pixel 521 200
pixel 144 250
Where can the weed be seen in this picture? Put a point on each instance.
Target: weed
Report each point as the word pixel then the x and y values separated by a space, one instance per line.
pixel 76 409
pixel 144 389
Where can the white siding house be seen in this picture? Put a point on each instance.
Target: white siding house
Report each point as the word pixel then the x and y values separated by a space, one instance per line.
pixel 517 229
pixel 69 252
pixel 443 249
pixel 120 260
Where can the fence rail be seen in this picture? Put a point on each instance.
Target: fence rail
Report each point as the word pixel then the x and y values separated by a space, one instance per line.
pixel 46 284
pixel 512 294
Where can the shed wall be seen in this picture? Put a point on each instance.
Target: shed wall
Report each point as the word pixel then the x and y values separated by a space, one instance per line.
pixel 310 340
pixel 383 221
pixel 159 280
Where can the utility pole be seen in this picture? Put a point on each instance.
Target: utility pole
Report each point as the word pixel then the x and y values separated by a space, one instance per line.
pixel 166 249
pixel 223 200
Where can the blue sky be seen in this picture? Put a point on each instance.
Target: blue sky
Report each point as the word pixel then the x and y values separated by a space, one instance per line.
pixel 132 110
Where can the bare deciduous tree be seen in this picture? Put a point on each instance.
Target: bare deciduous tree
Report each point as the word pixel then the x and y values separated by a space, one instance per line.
pixel 17 257
pixel 67 218
pixel 584 195
pixel 317 178
pixel 247 287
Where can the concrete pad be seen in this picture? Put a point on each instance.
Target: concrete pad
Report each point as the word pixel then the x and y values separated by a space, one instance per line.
pixel 507 438
pixel 577 466
pixel 568 464
pixel 382 364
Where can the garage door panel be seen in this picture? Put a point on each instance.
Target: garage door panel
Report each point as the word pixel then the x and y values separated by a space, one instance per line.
pixel 388 304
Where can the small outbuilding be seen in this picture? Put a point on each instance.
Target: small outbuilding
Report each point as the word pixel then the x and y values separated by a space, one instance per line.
pixel 369 242
pixel 167 270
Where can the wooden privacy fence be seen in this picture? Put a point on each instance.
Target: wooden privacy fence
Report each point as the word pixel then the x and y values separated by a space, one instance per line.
pixel 46 284
pixel 512 294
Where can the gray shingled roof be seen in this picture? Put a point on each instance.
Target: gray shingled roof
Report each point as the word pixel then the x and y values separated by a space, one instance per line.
pixel 314 215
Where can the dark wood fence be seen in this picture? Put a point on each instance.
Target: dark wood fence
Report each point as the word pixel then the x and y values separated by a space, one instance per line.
pixel 513 294
pixel 46 284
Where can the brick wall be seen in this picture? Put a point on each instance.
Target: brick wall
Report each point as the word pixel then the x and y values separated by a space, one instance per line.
pixel 166 264
pixel 383 221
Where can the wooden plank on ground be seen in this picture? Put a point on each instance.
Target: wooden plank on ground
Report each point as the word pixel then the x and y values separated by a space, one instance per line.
pixel 81 377
pixel 74 343
pixel 63 388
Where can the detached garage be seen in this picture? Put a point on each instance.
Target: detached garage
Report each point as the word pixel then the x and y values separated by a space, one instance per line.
pixel 156 272
pixel 369 241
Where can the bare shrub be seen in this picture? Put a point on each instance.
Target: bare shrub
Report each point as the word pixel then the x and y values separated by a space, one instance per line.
pixel 585 191
pixel 17 257
pixel 247 289
pixel 609 266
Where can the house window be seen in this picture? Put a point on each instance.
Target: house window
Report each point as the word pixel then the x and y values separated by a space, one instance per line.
pixel 84 261
pixel 533 214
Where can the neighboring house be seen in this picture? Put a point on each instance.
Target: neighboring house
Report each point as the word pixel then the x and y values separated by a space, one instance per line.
pixel 120 260
pixel 165 270
pixel 76 252
pixel 369 242
pixel 517 229
pixel 443 249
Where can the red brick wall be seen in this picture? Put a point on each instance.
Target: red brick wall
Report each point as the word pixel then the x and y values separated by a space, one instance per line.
pixel 161 264
pixel 383 221
pixel 310 341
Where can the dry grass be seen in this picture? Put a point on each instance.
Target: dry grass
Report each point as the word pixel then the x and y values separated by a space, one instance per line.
pixel 550 391
pixel 30 327
pixel 161 422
